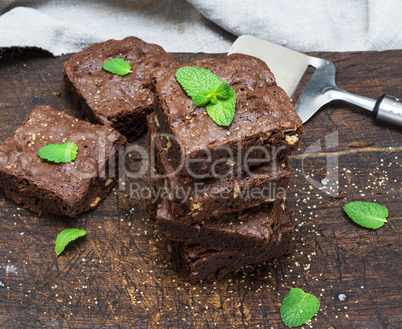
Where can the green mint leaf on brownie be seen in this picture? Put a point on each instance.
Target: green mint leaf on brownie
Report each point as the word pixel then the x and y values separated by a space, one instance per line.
pixel 224 91
pixel 65 237
pixel 367 214
pixel 117 66
pixel 195 79
pixel 57 153
pixel 223 111
pixel 298 307
pixel 203 97
pixel 206 89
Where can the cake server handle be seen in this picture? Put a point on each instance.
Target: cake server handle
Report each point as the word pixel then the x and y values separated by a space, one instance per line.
pixel 388 109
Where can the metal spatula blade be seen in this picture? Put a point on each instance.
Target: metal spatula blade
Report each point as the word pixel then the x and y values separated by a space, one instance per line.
pixel 289 67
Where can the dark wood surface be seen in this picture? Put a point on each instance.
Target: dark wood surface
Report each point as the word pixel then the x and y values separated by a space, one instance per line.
pixel 119 275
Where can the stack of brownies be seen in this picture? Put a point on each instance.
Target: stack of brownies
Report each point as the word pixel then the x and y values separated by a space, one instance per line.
pixel 222 189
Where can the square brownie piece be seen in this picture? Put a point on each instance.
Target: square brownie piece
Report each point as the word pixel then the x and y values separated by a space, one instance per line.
pixel 247 231
pixel 62 189
pixel 195 263
pixel 264 122
pixel 122 102
pixel 197 200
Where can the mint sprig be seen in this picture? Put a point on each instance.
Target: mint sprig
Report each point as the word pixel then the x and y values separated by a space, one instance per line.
pixel 117 66
pixel 57 153
pixel 206 89
pixel 298 307
pixel 222 112
pixel 367 214
pixel 66 236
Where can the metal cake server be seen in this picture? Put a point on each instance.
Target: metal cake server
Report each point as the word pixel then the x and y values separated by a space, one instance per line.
pixel 289 67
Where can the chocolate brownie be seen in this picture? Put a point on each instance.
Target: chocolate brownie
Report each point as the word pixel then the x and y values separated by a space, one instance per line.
pixel 122 102
pixel 264 122
pixel 247 231
pixel 195 263
pixel 197 200
pixel 63 189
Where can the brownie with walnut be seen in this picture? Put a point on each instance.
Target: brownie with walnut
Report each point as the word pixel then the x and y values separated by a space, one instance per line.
pixel 195 262
pixel 122 102
pixel 246 231
pixel 265 123
pixel 194 201
pixel 62 189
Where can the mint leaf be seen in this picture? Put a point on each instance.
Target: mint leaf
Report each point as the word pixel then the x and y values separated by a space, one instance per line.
pixel 224 91
pixel 298 307
pixel 66 152
pixel 367 214
pixel 65 237
pixel 117 66
pixel 194 79
pixel 203 97
pixel 223 111
pixel 206 89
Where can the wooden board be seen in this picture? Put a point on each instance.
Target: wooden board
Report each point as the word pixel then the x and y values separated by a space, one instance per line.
pixel 119 275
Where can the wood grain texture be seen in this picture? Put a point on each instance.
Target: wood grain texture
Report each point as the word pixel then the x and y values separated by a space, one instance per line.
pixel 120 276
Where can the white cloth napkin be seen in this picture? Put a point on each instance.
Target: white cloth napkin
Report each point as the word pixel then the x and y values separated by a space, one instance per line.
pixel 66 26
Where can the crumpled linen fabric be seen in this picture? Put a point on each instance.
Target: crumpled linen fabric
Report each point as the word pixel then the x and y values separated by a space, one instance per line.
pixel 210 26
